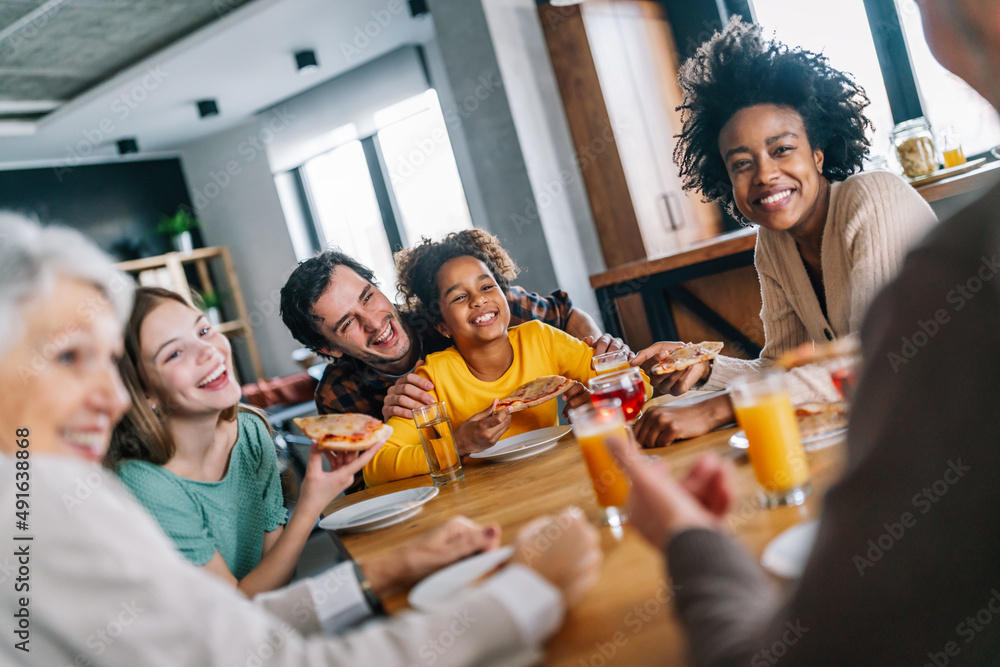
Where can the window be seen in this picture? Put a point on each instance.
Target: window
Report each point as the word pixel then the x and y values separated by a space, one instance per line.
pixel 946 99
pixel 839 31
pixel 918 85
pixel 372 196
pixel 423 173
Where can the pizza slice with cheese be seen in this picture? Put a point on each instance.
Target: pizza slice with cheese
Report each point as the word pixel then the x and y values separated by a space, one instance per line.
pixel 536 392
pixel 687 355
pixel 344 432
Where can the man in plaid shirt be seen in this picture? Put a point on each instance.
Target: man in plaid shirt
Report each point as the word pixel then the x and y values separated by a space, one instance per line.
pixel 332 306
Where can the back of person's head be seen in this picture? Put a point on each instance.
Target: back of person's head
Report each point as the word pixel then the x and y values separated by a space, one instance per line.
pixel 31 258
pixel 305 286
pixel 739 68
pixel 417 269
pixel 142 432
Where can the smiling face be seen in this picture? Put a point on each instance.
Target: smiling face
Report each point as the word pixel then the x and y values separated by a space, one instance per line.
pixel 473 306
pixel 60 380
pixel 777 176
pixel 359 321
pixel 187 363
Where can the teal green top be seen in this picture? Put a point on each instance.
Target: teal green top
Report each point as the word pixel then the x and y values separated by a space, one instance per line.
pixel 229 516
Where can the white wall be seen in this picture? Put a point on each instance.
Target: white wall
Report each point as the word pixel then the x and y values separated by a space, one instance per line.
pixel 231 186
pixel 536 106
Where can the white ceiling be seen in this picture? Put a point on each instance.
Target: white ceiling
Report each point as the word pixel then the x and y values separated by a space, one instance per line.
pixel 243 60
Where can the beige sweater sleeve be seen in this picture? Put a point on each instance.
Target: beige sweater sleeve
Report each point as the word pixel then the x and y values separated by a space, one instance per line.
pixel 783 330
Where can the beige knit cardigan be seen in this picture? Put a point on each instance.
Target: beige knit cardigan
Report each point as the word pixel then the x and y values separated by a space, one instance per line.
pixel 873 219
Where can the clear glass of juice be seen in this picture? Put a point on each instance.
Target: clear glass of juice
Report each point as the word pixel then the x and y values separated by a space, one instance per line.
pixel 611 362
pixel 626 386
pixel 593 424
pixel 764 411
pixel 439 443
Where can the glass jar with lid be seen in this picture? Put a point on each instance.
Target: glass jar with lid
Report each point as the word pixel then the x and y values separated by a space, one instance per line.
pixel 915 147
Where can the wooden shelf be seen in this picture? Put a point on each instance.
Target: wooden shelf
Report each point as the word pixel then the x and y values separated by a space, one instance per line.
pixel 174 263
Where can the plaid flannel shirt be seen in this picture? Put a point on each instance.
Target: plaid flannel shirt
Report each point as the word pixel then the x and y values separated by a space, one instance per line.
pixel 349 385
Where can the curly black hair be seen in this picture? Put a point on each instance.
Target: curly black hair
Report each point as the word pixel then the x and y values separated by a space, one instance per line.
pixel 739 68
pixel 303 289
pixel 417 270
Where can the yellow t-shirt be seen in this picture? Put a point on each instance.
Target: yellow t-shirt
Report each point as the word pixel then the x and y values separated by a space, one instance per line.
pixel 539 349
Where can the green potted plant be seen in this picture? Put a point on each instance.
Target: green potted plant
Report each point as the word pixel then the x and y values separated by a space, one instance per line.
pixel 210 303
pixel 178 228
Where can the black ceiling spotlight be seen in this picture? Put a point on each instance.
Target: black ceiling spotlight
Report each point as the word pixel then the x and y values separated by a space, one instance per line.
pixel 418 8
pixel 306 61
pixel 126 146
pixel 208 108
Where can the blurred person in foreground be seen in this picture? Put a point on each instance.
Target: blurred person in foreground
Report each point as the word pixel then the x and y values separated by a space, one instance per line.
pixel 106 586
pixel 904 570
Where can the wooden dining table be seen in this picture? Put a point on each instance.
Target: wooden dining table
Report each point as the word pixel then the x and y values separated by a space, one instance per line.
pixel 627 618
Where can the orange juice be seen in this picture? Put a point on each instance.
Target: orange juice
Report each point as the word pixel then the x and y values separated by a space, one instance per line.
pixel 610 485
pixel 953 157
pixel 601 370
pixel 775 448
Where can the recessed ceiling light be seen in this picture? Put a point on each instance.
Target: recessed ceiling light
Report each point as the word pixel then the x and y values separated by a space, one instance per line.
pixel 208 108
pixel 306 61
pixel 128 145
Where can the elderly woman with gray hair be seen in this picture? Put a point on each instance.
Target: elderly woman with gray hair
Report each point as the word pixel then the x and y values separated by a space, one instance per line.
pixel 105 585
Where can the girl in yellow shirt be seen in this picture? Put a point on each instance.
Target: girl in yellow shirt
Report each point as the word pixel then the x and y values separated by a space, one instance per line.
pixel 458 286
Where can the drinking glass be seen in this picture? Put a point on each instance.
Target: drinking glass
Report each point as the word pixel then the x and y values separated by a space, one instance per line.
pixel 626 386
pixel 593 423
pixel 438 442
pixel 764 411
pixel 611 362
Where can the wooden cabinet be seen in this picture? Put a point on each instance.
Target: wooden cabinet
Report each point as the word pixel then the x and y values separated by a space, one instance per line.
pixel 171 271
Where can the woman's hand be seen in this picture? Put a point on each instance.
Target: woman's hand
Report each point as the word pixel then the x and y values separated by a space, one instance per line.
pixel 659 506
pixel 483 430
pixel 564 549
pixel 676 383
pixel 401 568
pixel 660 426
pixel 575 396
pixel 410 391
pixel 319 487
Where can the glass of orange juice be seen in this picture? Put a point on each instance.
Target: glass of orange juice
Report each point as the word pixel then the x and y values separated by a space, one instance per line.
pixel 610 362
pixel 764 411
pixel 593 424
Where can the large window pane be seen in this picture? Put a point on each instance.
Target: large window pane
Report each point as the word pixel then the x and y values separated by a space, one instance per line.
pixel 348 212
pixel 946 99
pixel 423 174
pixel 840 31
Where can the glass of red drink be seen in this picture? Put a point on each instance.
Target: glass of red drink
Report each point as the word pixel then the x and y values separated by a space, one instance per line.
pixel 626 386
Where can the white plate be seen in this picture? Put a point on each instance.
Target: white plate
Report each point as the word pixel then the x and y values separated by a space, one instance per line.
pixel 523 445
pixel 439 589
pixel 379 512
pixel 787 554
pixel 691 400
pixel 810 444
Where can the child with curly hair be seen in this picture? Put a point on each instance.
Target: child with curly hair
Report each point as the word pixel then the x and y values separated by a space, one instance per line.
pixel 457 287
pixel 777 136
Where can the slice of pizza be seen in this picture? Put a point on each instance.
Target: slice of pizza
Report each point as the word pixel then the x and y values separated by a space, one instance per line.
pixel 819 418
pixel 687 355
pixel 810 353
pixel 536 392
pixel 344 432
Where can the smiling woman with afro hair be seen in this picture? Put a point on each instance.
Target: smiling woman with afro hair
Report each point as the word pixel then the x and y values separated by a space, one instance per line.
pixel 778 137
